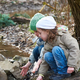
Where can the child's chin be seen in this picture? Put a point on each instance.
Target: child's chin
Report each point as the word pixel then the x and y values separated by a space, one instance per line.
pixel 44 40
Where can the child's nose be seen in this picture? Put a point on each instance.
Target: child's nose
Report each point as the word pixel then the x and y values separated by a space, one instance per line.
pixel 39 35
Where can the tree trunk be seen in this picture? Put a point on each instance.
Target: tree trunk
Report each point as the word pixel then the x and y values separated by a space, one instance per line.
pixel 75 7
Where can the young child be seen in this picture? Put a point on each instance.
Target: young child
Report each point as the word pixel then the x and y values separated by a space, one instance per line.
pixel 61 50
pixel 36 54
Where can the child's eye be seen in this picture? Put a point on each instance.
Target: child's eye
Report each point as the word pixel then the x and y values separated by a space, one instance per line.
pixel 39 33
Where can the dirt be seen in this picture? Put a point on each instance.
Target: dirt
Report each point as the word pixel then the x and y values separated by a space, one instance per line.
pixel 73 77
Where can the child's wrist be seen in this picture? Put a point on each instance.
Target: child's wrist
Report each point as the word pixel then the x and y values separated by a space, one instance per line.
pixel 26 66
pixel 41 75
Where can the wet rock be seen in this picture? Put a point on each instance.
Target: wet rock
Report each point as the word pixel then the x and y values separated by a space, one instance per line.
pixel 21 60
pixel 18 59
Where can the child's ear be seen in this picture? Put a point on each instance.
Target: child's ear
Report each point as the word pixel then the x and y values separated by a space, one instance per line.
pixel 47 31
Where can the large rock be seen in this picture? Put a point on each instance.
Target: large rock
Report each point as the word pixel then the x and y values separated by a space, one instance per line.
pixel 6 65
pixel 3 75
pixel 12 67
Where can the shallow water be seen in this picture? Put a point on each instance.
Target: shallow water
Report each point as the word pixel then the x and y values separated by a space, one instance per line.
pixel 9 51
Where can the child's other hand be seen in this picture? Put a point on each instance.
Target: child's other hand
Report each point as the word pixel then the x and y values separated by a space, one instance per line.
pixel 24 70
pixel 35 68
pixel 39 78
pixel 70 70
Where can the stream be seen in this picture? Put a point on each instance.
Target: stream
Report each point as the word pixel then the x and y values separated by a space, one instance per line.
pixel 9 51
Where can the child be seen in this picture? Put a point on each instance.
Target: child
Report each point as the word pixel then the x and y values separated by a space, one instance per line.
pixel 61 50
pixel 36 54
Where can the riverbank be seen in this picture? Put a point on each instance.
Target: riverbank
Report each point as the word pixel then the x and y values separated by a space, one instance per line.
pixel 19 38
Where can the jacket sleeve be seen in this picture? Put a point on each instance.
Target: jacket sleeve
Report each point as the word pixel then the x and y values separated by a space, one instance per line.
pixel 31 58
pixel 41 54
pixel 73 48
pixel 44 66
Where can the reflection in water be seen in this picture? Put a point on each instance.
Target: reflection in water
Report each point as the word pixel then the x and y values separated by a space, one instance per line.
pixel 9 51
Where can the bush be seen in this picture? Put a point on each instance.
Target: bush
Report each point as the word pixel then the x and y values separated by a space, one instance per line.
pixel 23 15
pixel 5 20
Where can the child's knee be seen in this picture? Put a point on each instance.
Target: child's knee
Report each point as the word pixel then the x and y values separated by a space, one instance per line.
pixel 35 49
pixel 48 56
pixel 56 50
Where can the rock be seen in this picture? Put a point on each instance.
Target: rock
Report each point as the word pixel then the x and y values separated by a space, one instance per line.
pixel 37 2
pixel 3 75
pixel 17 29
pixel 12 67
pixel 25 59
pixel 21 60
pixel 16 73
pixel 6 65
pixel 21 34
pixel 2 58
pixel 21 19
pixel 11 60
pixel 21 1
pixel 18 59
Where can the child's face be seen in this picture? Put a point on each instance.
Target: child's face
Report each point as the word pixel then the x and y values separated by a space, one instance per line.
pixel 36 33
pixel 42 34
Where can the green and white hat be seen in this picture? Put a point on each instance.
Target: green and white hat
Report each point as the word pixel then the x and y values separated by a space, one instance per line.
pixel 34 20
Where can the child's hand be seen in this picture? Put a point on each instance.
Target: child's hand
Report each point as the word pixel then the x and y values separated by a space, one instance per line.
pixel 24 70
pixel 39 78
pixel 35 68
pixel 70 70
